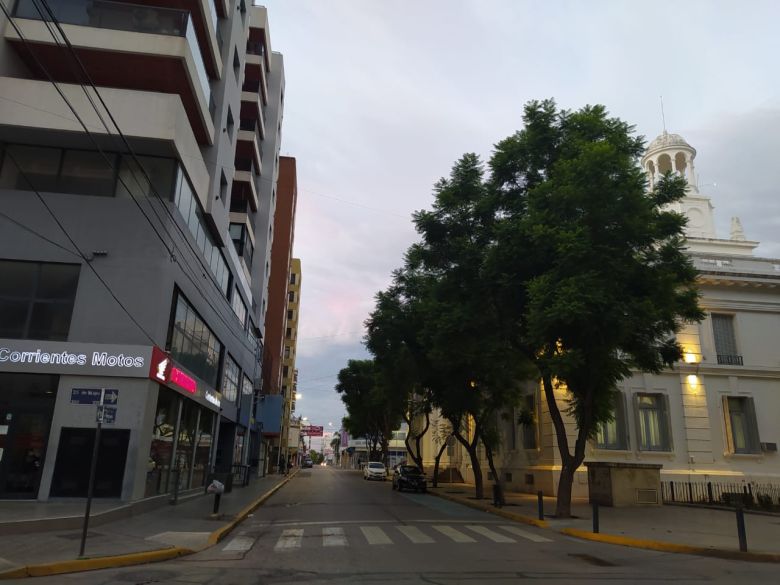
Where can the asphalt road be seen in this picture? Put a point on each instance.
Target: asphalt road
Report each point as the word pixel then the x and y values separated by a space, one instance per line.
pixel 330 526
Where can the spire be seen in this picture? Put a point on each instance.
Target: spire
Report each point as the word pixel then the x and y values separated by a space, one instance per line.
pixel 737 233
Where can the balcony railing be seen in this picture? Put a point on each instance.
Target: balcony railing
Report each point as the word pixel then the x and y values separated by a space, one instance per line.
pixel 126 17
pixel 255 48
pixel 730 360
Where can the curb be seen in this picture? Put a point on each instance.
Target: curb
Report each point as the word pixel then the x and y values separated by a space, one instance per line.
pixel 497 511
pixel 221 533
pixel 78 565
pixel 662 546
pixel 164 554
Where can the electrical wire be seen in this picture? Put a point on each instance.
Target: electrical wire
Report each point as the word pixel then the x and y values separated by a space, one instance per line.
pixel 38 234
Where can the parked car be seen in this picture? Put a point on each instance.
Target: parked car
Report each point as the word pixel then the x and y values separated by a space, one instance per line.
pixel 409 477
pixel 307 463
pixel 374 470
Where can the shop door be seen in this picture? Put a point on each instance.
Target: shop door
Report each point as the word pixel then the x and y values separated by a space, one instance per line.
pixel 26 406
pixel 71 472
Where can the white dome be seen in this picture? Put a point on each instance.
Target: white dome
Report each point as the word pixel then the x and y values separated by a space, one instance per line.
pixel 666 140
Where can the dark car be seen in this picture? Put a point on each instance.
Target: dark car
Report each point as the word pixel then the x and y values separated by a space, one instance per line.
pixel 409 477
pixel 307 463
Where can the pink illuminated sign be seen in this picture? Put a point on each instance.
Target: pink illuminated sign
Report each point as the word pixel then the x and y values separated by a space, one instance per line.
pixel 183 380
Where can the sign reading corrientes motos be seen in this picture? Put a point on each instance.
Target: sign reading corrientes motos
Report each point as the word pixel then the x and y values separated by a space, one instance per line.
pixel 60 357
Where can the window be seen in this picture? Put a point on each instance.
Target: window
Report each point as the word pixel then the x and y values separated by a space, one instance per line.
pixel 88 173
pixel 230 123
pixel 36 299
pixel 725 340
pixel 286 352
pixel 289 314
pixel 291 296
pixel 239 307
pixel 236 65
pixel 246 386
pixel 223 187
pixel 653 422
pixel 289 333
pixel 613 434
pixel 530 440
pixel 285 371
pixel 161 171
pixel 230 379
pixel 741 425
pixel 193 343
pixel 292 278
pixel 239 233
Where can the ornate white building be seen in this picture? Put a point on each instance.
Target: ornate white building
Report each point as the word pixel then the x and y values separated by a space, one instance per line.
pixel 714 416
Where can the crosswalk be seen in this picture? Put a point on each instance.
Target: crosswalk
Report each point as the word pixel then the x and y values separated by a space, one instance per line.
pixel 293 539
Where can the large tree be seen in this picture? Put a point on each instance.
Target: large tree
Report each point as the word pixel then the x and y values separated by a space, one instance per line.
pixel 592 266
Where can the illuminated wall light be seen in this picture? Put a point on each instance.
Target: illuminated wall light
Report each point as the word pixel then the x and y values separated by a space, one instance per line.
pixel 693 381
pixel 690 358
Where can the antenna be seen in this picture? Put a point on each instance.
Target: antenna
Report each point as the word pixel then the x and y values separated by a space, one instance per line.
pixel 663 118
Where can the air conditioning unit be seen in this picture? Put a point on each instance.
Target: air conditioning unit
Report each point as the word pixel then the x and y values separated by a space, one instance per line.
pixel 769 447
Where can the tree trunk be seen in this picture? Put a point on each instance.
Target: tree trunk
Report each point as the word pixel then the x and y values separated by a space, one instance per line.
pixel 436 461
pixel 563 503
pixel 471 448
pixel 496 477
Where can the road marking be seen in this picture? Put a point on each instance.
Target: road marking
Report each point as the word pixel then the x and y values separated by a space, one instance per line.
pixel 487 533
pixel 414 534
pixel 333 536
pixel 289 540
pixel 455 535
pixel 239 544
pixel 525 534
pixel 375 535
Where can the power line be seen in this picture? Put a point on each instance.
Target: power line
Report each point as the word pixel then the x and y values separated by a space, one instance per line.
pixel 41 236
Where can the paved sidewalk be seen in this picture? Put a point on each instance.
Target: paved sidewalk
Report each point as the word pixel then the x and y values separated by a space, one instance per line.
pixel 683 525
pixel 187 524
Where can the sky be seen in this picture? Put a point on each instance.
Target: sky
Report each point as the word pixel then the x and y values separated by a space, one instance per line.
pixel 383 96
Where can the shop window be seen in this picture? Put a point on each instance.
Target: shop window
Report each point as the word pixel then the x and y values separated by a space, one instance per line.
pixel 193 344
pixel 653 422
pixel 161 449
pixel 71 470
pixel 741 425
pixel 613 434
pixel 230 379
pixel 36 299
pixel 203 443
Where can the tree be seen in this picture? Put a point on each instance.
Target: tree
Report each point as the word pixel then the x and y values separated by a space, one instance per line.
pixel 335 444
pixel 441 437
pixel 592 266
pixel 373 411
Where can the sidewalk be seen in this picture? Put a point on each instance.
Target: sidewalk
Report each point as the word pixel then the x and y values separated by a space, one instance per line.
pixel 187 525
pixel 676 525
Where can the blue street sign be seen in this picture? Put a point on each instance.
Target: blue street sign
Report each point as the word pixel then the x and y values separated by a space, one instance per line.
pixel 106 414
pixel 92 396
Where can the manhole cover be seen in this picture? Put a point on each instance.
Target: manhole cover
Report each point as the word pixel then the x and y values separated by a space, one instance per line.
pixel 593 560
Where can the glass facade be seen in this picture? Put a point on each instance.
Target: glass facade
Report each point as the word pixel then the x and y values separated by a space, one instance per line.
pixel 193 344
pixel 36 299
pixel 230 379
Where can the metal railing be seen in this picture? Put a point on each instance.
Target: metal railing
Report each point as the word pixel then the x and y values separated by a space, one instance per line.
pixel 743 494
pixel 730 360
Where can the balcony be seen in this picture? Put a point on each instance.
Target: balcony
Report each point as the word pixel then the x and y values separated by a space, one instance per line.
pixel 250 142
pixel 244 181
pixel 130 46
pixel 729 360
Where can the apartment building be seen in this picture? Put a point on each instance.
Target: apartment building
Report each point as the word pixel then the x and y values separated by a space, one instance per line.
pixel 278 314
pixel 289 371
pixel 139 152
pixel 710 418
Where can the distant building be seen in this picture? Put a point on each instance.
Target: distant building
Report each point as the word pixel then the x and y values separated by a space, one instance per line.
pixel 713 417
pixel 136 263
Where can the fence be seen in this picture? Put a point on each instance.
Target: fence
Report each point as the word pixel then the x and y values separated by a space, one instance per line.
pixel 747 494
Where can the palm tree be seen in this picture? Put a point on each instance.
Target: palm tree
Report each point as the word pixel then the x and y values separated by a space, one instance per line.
pixel 335 444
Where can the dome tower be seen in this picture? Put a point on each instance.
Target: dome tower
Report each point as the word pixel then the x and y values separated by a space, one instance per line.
pixel 670 152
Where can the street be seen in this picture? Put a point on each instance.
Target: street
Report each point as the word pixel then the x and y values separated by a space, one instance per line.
pixel 330 526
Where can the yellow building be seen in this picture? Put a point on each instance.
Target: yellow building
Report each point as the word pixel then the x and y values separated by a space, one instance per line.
pixel 289 373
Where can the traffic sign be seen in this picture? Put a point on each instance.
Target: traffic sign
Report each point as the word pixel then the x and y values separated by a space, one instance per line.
pixel 106 414
pixel 92 396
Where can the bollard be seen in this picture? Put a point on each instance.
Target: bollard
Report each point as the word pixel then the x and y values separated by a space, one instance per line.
pixel 671 488
pixel 217 498
pixel 595 518
pixel 709 492
pixel 540 502
pixel 175 496
pixel 741 529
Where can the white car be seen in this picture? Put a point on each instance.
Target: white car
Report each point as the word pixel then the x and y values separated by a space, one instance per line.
pixel 374 470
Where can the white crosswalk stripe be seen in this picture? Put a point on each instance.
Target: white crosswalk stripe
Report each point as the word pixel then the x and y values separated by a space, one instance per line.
pixel 491 534
pixel 414 534
pixel 333 536
pixel 375 535
pixel 239 544
pixel 289 540
pixel 525 534
pixel 454 535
